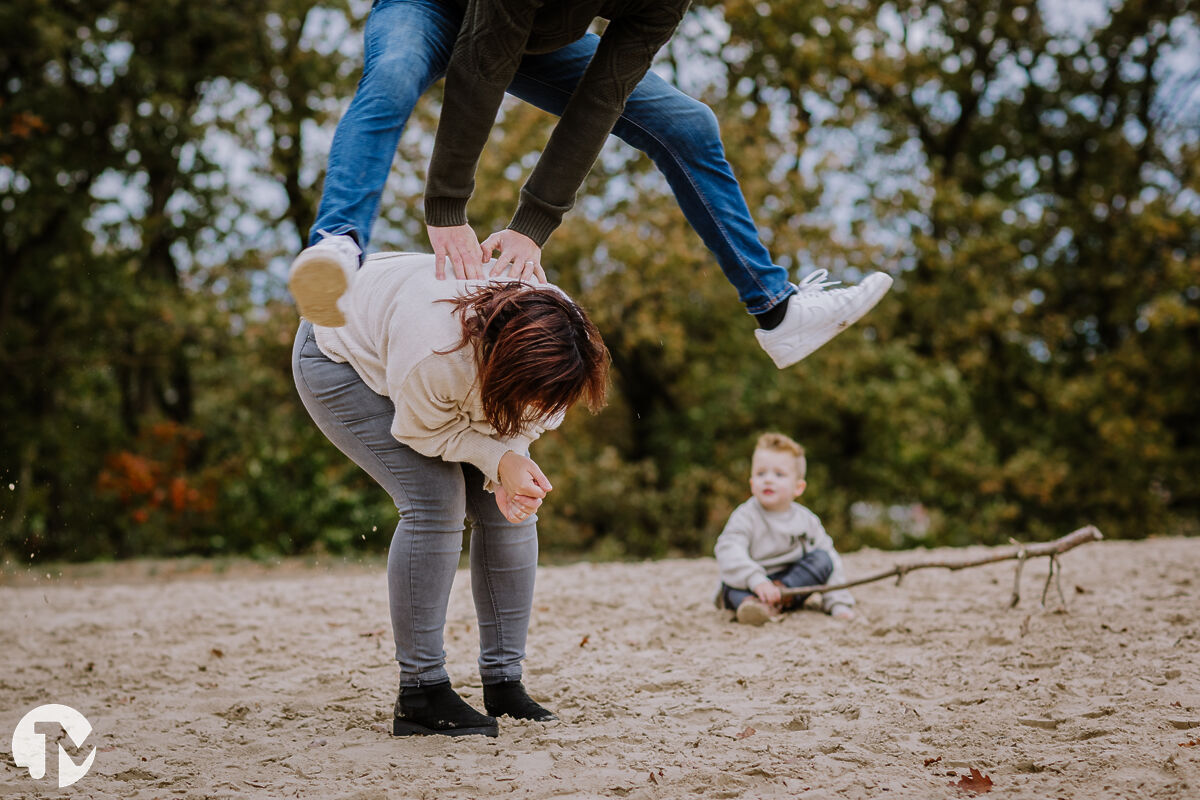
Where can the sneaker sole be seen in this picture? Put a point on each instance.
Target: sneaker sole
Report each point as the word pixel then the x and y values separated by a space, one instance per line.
pixel 317 283
pixel 402 727
pixel 877 284
pixel 752 614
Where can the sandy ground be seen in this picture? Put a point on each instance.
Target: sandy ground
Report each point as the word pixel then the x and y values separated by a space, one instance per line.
pixel 281 684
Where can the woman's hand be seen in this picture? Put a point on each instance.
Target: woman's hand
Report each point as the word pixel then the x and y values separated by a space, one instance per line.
pixel 522 486
pixel 519 256
pixel 459 246
pixel 516 509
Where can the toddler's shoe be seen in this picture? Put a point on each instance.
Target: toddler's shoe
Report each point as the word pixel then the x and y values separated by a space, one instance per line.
pixel 435 708
pixel 753 611
pixel 816 314
pixel 321 275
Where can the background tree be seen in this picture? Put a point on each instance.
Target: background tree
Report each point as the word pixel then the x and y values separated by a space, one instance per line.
pixel 1029 178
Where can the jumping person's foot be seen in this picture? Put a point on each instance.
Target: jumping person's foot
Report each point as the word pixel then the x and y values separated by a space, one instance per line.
pixel 753 611
pixel 319 277
pixel 510 697
pixel 816 314
pixel 437 709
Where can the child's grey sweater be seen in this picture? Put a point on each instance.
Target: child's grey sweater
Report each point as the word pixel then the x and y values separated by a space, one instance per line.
pixel 756 541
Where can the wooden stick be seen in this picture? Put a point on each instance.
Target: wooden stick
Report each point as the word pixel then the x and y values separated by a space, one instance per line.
pixel 1089 533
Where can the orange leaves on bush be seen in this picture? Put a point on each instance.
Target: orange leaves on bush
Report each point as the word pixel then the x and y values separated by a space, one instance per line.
pixel 975 783
pixel 157 481
pixel 24 125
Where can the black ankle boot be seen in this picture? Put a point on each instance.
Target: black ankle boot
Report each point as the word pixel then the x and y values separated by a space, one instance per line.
pixel 510 698
pixel 437 709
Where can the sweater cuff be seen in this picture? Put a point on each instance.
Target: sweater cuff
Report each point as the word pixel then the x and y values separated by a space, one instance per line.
pixel 534 223
pixel 445 212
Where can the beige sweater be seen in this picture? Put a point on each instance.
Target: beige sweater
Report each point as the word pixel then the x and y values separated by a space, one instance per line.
pixel 393 326
pixel 756 541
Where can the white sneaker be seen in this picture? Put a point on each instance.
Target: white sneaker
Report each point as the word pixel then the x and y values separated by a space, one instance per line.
pixel 816 314
pixel 321 275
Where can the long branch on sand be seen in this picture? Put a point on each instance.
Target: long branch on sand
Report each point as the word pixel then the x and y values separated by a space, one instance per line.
pixel 1020 553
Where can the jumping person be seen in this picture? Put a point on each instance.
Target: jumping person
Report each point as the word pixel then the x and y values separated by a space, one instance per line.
pixel 595 84
pixel 436 389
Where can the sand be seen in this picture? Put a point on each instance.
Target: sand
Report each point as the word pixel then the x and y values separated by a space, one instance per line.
pixel 280 683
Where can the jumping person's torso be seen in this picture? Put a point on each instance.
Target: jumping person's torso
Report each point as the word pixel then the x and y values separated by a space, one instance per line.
pixel 560 22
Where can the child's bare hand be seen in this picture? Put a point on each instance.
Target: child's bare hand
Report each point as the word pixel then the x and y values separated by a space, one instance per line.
pixel 769 593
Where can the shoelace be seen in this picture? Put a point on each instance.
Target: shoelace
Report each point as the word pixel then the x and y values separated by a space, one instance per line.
pixel 816 281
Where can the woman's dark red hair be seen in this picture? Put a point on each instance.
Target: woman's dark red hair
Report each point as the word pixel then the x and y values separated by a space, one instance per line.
pixel 537 353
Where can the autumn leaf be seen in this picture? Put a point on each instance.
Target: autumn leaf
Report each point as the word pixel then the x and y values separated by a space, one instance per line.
pixel 975 783
pixel 929 762
pixel 218 652
pixel 584 640
pixel 745 733
pixel 1190 743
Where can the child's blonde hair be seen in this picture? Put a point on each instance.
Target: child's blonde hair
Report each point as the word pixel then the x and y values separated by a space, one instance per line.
pixel 784 444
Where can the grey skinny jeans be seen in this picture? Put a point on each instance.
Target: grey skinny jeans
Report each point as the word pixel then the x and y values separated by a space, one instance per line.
pixel 433 497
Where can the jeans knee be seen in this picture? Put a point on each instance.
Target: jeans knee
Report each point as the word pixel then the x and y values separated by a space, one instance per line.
pixel 392 85
pixel 820 563
pixel 692 125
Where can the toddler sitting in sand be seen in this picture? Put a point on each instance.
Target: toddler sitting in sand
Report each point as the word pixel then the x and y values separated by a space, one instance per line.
pixel 772 541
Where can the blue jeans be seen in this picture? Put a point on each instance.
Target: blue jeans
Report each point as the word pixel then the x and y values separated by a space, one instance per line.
pixel 433 498
pixel 407 48
pixel 812 570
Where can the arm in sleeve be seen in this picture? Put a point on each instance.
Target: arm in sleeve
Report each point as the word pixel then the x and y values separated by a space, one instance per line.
pixel 431 420
pixel 737 568
pixel 485 58
pixel 841 597
pixel 621 60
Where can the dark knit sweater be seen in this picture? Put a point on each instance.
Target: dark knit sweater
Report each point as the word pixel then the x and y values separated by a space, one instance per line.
pixel 495 35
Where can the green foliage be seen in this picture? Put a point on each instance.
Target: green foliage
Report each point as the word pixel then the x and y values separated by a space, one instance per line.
pixel 1033 190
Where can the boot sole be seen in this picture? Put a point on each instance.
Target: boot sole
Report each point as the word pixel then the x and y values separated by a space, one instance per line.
pixel 317 282
pixel 402 727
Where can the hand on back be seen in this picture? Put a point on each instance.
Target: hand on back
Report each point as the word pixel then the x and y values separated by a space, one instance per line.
pixel 518 256
pixel 457 246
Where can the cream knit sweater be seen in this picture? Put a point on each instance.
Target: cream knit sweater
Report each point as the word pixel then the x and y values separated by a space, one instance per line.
pixel 393 326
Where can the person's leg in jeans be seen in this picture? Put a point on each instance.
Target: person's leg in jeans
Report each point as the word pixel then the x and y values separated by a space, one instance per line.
pixel 406 46
pixel 811 570
pixel 681 136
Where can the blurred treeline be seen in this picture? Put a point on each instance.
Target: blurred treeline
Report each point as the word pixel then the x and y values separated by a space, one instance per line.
pixel 1027 172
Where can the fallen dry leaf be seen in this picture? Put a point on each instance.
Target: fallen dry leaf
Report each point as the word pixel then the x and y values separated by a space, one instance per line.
pixel 929 762
pixel 1190 743
pixel 584 640
pixel 218 652
pixel 366 634
pixel 745 733
pixel 975 783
